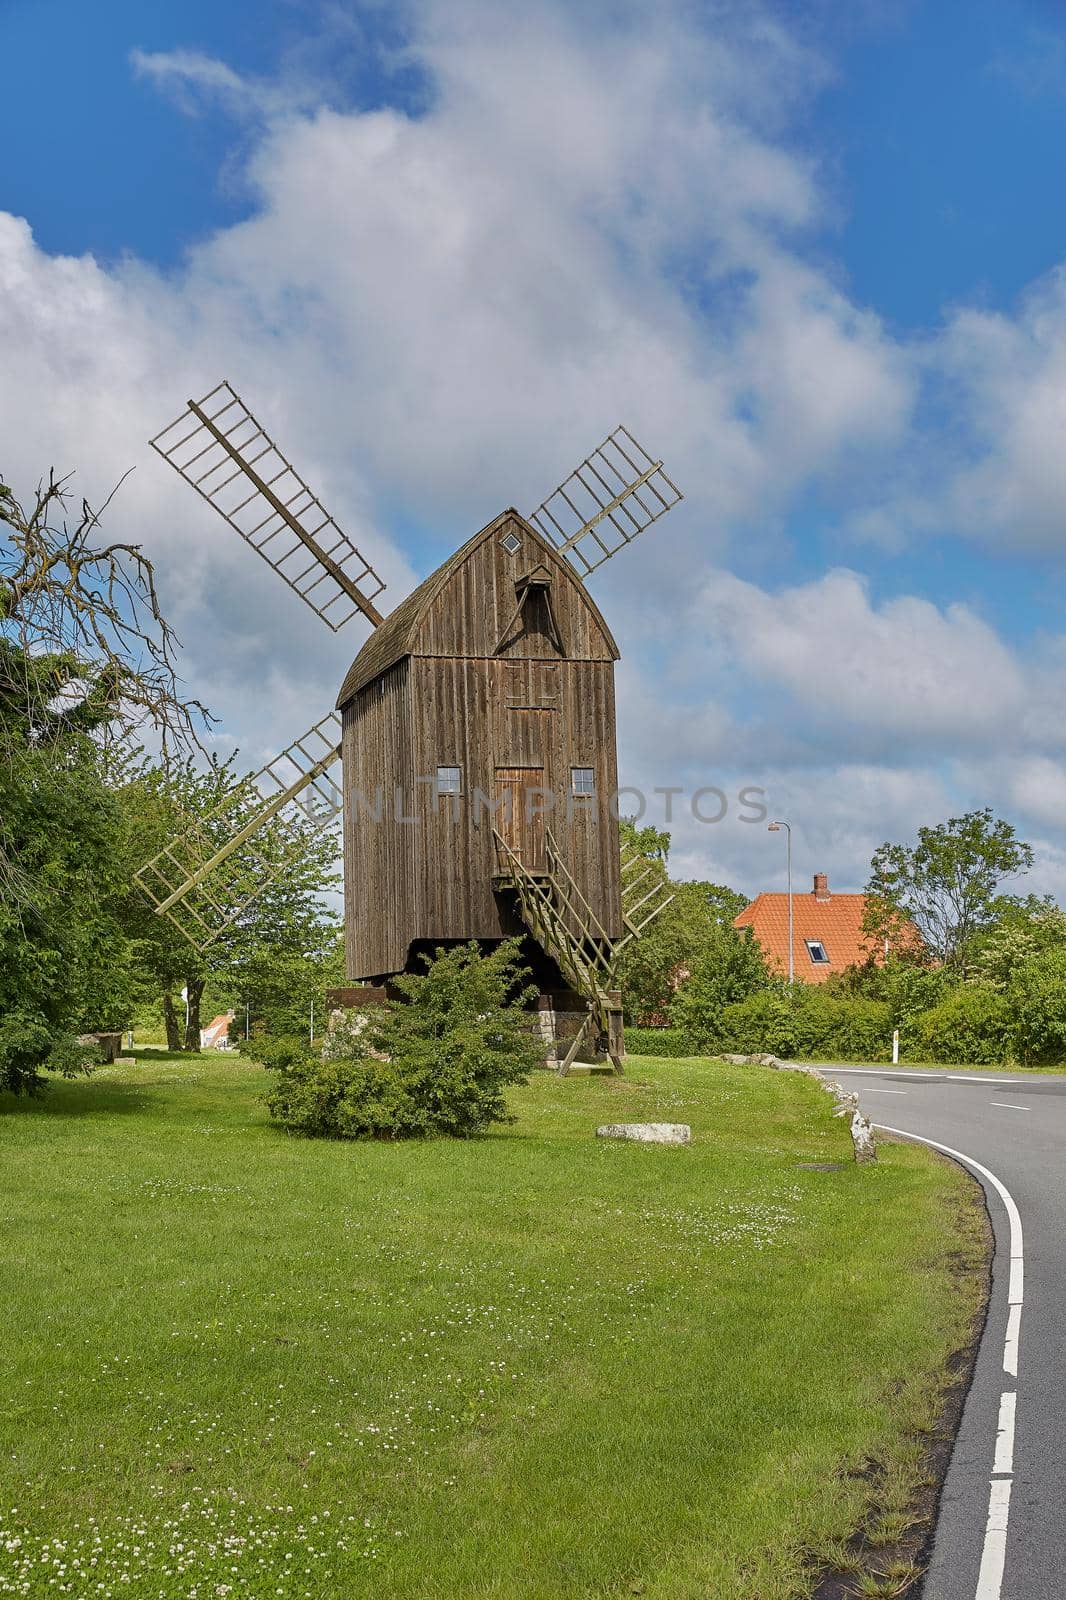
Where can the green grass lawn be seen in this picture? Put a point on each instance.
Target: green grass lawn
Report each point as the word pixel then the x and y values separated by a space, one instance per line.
pixel 532 1366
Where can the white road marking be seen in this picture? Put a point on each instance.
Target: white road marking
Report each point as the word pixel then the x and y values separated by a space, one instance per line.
pixel 886 1091
pixel 994 1550
pixel 1004 1459
pixel 916 1072
pixel 886 1072
pixel 1006 1105
pixel 1010 1346
pixel 994 1554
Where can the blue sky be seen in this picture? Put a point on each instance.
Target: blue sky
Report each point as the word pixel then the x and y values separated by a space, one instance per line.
pixel 116 168
pixel 815 247
pixel 944 124
pixel 941 127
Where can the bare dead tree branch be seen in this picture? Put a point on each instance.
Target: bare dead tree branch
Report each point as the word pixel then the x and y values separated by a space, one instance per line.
pixel 90 610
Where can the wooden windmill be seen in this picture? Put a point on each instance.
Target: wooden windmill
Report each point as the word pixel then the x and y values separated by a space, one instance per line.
pixel 475 729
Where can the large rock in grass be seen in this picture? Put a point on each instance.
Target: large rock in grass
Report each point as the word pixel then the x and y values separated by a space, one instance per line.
pixel 647 1132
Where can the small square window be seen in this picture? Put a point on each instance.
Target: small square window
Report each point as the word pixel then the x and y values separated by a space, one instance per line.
pixel 582 780
pixel 449 780
pixel 817 952
pixel 511 543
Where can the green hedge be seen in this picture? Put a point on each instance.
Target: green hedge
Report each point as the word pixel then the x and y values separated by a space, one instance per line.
pixel 972 1024
pixel 660 1042
pixel 1037 996
pixel 809 1024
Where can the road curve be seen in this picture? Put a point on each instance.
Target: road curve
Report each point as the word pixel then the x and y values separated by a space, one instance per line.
pixel 1001 1534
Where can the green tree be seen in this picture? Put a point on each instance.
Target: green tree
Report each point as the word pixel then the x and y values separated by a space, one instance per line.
pixel 85 654
pixel 65 963
pixel 651 966
pixel 274 991
pixel 86 662
pixel 730 967
pixel 289 864
pixel 946 886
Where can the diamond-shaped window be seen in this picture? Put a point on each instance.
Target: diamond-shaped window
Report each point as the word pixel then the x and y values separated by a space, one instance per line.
pixel 511 543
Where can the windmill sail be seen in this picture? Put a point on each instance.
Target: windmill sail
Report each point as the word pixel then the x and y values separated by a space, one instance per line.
pixel 616 492
pixel 206 879
pixel 218 446
pixel 642 901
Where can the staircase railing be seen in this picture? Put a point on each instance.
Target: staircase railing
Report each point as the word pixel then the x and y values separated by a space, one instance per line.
pixel 567 928
pixel 551 904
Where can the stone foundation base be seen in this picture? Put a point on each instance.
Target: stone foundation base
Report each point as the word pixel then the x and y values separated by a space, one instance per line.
pixel 558 1018
pixel 354 996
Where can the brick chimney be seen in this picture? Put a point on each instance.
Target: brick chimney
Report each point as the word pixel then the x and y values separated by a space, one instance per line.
pixel 821 886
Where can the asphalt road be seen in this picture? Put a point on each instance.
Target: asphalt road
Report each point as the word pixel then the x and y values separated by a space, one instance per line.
pixel 1001 1534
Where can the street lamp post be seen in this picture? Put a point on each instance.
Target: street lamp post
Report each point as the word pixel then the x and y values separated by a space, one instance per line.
pixel 775 827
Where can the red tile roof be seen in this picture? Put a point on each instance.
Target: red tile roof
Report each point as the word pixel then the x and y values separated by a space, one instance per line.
pixel 217 1029
pixel 834 920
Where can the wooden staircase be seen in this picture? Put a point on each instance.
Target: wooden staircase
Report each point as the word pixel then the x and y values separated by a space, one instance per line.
pixel 565 926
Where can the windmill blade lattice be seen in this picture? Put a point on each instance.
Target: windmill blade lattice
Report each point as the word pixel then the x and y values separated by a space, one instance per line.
pixel 645 892
pixel 218 446
pixel 207 878
pixel 616 492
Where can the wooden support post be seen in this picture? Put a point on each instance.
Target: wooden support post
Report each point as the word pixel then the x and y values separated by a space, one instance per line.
pixel 616 1045
pixel 571 1054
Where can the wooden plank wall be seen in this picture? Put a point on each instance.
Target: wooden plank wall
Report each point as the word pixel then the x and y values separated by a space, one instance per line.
pixel 456 703
pixel 458 899
pixel 468 615
pixel 380 854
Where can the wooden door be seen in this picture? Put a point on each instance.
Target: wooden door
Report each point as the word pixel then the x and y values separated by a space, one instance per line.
pixel 520 814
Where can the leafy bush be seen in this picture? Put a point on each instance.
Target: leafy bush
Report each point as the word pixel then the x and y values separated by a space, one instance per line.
pixel 808 1023
pixel 345 1099
pixel 660 1042
pixel 763 1022
pixel 1037 997
pixel 277 1054
pixel 837 1028
pixel 438 1063
pixel 972 1023
pixel 30 1045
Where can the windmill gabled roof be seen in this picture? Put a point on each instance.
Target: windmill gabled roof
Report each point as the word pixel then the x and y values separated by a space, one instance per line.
pixel 395 637
pixel 391 640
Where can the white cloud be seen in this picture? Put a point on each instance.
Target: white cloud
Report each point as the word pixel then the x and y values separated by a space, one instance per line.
pixel 441 319
pixel 191 79
pixel 903 669
pixel 858 721
pixel 1011 374
pixel 438 314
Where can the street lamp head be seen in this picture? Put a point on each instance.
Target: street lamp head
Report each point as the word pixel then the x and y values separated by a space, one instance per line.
pixel 774 827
